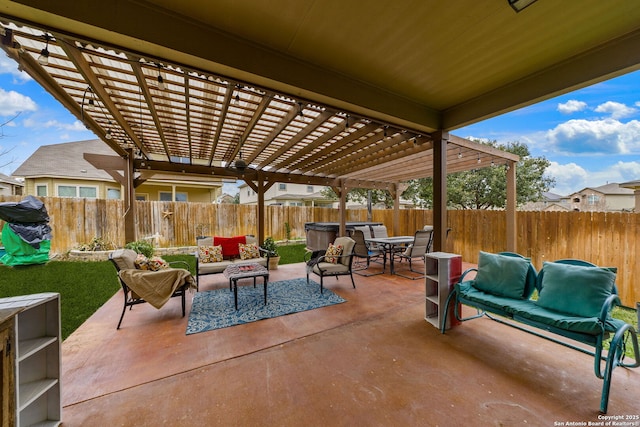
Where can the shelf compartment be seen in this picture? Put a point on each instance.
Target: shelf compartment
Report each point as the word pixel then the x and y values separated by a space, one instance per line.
pixel 29 347
pixel 30 391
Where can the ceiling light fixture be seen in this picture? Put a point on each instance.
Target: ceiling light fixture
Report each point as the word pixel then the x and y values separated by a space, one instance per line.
pixel 520 5
pixel 43 59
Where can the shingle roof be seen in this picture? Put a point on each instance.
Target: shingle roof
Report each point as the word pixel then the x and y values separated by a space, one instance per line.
pixel 65 160
pixel 8 180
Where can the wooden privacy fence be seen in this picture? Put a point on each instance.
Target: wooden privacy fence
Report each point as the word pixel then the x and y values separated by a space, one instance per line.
pixel 604 238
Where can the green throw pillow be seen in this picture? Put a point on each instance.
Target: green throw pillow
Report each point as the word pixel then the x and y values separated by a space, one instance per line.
pixel 502 275
pixel 575 289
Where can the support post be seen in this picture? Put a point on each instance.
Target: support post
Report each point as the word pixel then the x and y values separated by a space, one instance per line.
pixel 129 201
pixel 261 215
pixel 511 208
pixel 440 140
pixel 343 208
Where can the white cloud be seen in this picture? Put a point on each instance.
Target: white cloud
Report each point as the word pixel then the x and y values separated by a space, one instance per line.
pixel 572 106
pixel 595 137
pixel 12 103
pixel 76 126
pixel 615 109
pixel 569 177
pixel 9 66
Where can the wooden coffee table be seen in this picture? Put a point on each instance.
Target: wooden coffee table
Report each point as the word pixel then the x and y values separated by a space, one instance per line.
pixel 245 271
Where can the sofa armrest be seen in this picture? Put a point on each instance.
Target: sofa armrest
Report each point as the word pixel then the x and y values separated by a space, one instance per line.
pixel 267 254
pixel 182 264
pixel 464 274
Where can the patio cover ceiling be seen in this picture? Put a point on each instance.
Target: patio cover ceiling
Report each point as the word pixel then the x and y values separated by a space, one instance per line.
pixel 313 90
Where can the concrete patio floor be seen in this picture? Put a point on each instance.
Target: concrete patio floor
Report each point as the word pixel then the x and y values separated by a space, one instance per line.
pixel 373 361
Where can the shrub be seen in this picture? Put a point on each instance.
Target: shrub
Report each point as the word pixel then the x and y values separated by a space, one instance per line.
pixel 270 245
pixel 142 247
pixel 97 244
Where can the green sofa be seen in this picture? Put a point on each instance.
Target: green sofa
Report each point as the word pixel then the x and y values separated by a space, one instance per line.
pixel 574 300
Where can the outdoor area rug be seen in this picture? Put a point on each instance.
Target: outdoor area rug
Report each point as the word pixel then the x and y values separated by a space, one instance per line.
pixel 215 309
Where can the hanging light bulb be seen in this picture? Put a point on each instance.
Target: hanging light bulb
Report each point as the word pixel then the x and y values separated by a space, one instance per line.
pixel 108 134
pixel 459 153
pixel 90 104
pixel 43 59
pixel 161 84
pixel 479 161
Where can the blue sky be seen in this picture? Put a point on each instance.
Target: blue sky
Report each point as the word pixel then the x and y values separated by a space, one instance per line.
pixel 591 136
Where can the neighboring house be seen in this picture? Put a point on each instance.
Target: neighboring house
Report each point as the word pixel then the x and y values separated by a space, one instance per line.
pixel 226 198
pixel 549 202
pixel 610 197
pixel 635 186
pixel 10 186
pixel 60 170
pixel 287 194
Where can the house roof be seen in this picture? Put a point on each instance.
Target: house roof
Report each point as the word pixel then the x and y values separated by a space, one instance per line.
pixel 610 189
pixel 631 184
pixel 313 89
pixel 9 180
pixel 552 197
pixel 65 160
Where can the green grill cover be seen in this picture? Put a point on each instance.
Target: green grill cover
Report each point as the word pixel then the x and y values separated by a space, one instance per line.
pixel 19 252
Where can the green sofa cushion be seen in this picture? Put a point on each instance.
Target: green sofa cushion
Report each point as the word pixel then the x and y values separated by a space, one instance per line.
pixel 503 306
pixel 564 321
pixel 574 289
pixel 502 275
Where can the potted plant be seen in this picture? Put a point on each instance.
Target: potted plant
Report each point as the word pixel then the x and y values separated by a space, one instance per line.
pixel 274 258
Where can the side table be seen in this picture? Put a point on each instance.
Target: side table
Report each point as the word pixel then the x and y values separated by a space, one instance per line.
pixel 244 271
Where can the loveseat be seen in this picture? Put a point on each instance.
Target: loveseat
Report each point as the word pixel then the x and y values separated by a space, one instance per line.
pixel 215 253
pixel 574 301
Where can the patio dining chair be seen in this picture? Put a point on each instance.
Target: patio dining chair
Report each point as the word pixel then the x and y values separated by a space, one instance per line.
pixel 363 253
pixel 416 250
pixel 334 264
pixel 148 286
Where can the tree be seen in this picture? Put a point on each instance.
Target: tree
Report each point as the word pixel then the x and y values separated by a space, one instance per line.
pixel 485 188
pixel 361 195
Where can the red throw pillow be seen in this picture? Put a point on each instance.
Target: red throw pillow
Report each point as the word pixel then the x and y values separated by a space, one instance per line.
pixel 229 245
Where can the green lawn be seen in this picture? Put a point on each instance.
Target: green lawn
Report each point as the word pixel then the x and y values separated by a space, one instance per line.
pixel 83 287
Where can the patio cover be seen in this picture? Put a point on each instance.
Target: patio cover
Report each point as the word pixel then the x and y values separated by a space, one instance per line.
pixel 335 93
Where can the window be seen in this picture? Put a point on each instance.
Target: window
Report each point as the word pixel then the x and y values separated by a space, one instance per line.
pixel 77 191
pixel 282 187
pixel 89 192
pixel 41 190
pixel 165 196
pixel 593 199
pixel 142 197
pixel 309 188
pixel 113 193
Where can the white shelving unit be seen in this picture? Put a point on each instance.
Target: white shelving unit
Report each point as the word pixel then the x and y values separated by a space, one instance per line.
pixel 442 271
pixel 37 358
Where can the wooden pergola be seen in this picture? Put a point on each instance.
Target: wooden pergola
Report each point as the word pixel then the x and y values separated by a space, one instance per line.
pixel 285 91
